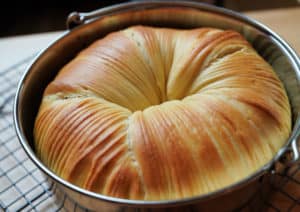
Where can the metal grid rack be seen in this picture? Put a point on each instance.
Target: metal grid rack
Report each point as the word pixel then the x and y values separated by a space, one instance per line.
pixel 24 188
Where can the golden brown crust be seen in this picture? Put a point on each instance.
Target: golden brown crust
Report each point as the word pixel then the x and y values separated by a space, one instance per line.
pixel 156 113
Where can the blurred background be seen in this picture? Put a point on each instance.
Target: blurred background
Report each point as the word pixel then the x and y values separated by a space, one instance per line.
pixel 36 16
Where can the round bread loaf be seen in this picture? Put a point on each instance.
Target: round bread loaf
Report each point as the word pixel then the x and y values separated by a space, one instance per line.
pixel 157 113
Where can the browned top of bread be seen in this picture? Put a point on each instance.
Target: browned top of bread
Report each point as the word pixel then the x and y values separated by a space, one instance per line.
pixel 156 113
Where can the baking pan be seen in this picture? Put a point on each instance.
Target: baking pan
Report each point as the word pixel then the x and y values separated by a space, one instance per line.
pixel 84 28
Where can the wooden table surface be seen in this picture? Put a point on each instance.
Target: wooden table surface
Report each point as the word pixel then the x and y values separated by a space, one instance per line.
pixel 285 22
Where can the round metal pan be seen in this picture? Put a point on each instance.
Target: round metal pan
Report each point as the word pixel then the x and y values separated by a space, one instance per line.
pixel 84 28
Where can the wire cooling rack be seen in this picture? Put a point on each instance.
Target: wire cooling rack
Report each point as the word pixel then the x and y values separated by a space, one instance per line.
pixel 24 188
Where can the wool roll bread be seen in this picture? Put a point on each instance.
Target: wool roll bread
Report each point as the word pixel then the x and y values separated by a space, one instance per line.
pixel 158 113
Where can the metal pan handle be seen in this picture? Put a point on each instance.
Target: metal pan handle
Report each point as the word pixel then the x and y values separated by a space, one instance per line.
pixel 295 151
pixel 75 18
pixel 290 157
pixel 78 18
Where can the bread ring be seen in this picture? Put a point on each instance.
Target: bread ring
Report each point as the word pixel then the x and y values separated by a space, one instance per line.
pixel 158 113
